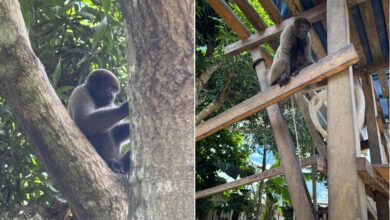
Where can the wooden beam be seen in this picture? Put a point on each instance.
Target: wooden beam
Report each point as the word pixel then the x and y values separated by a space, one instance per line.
pixel 381 199
pixel 356 40
pixel 296 185
pixel 385 7
pixel 374 140
pixel 382 205
pixel 254 178
pixel 345 189
pixel 323 20
pixel 251 14
pixel 255 19
pixel 370 176
pixel 272 11
pixel 383 170
pixel 325 68
pixel 296 8
pixel 383 82
pixel 255 40
pixel 370 69
pixel 230 18
pixel 370 27
pixel 354 2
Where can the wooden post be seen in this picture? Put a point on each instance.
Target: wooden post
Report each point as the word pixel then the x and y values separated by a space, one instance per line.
pixel 300 198
pixel 382 205
pixel 346 189
pixel 377 155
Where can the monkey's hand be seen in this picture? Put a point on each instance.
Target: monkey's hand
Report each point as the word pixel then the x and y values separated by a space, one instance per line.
pixel 284 79
pixel 295 72
pixel 124 108
pixel 116 166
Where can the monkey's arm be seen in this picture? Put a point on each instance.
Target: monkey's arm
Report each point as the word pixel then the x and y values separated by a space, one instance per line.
pixel 94 121
pixel 91 120
pixel 307 51
pixel 281 65
pixel 286 42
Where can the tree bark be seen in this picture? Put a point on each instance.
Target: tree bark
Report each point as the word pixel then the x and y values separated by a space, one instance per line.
pixel 161 96
pixel 90 188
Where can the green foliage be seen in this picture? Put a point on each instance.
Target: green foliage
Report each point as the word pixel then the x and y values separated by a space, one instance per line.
pixel 226 153
pixel 71 38
pixel 23 179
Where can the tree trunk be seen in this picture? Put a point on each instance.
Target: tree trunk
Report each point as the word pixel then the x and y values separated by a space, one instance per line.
pixel 91 189
pixel 161 96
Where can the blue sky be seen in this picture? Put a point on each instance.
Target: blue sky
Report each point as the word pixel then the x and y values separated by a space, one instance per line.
pixel 322 191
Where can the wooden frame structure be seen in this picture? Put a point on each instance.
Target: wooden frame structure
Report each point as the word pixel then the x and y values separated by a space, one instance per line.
pixel 336 158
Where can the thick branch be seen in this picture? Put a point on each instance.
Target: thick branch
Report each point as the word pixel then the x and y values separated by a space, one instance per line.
pixel 72 163
pixel 205 76
pixel 215 105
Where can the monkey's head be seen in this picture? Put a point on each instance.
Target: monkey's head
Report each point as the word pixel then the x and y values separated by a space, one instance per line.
pixel 301 27
pixel 103 86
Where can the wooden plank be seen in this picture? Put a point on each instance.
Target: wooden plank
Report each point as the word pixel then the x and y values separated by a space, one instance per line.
pixel 323 20
pixel 251 14
pixel 255 19
pixel 376 154
pixel 370 27
pixel 230 18
pixel 354 2
pixel 296 185
pixel 252 179
pixel 383 170
pixel 385 6
pixel 382 205
pixel 318 141
pixel 272 11
pixel 325 68
pixel 296 8
pixel 268 34
pixel 370 176
pixel 356 40
pixel 343 137
pixel 383 82
pixel 369 69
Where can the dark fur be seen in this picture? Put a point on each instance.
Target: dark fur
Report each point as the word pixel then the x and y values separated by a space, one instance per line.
pixel 92 107
pixel 293 54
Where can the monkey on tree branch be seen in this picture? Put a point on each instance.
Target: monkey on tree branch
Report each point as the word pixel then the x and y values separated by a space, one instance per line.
pixel 92 108
pixel 293 53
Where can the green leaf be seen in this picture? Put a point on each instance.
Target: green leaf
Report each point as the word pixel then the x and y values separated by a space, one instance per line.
pixel 106 5
pixel 100 32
